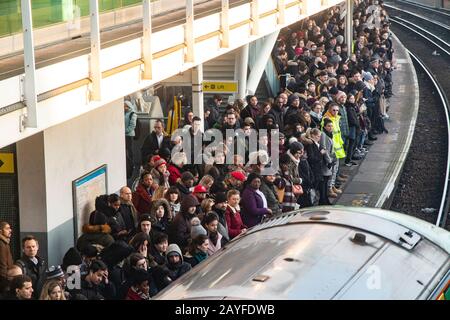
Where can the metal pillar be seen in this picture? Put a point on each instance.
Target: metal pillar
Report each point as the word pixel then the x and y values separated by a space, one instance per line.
pixel 189 31
pixel 260 64
pixel 94 59
pixel 225 24
pixel 349 25
pixel 255 17
pixel 240 70
pixel 29 65
pixel 281 8
pixel 147 39
pixel 197 93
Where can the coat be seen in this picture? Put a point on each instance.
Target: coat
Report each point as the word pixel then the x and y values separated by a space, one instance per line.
pixel 327 143
pixel 175 174
pixel 35 271
pixel 252 207
pixel 142 200
pixel 234 222
pixel 6 260
pixel 271 197
pixel 213 248
pixel 95 234
pixel 150 146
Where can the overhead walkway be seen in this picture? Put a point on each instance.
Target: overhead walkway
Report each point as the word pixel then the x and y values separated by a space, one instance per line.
pixel 70 79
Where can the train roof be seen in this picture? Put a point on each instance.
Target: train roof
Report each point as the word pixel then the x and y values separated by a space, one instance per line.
pixel 324 253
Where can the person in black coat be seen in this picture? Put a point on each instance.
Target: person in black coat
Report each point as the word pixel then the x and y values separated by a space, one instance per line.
pixel 32 265
pixel 155 141
pixel 354 128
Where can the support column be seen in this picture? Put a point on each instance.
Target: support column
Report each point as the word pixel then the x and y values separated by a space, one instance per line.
pixel 29 66
pixel 349 26
pixel 94 59
pixel 225 24
pixel 281 9
pixel 147 39
pixel 255 17
pixel 197 93
pixel 240 70
pixel 260 64
pixel 189 32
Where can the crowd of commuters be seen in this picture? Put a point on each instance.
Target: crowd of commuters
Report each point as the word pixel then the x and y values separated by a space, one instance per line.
pixel 180 211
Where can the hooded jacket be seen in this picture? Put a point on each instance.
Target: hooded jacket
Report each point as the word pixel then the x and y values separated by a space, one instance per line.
pixel 163 224
pixel 180 229
pixel 176 270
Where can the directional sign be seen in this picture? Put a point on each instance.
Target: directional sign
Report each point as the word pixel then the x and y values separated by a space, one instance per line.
pixel 220 86
pixel 6 162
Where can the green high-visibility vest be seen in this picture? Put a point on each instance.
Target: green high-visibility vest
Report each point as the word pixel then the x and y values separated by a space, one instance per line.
pixel 338 143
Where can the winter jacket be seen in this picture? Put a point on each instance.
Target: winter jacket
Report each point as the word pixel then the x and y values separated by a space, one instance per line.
pixel 35 271
pixel 180 229
pixel 95 235
pixel 234 222
pixel 268 189
pixel 252 207
pixel 6 260
pixel 175 174
pixel 142 200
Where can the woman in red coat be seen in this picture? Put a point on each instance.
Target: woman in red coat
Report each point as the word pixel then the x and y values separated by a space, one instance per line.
pixel 142 197
pixel 232 215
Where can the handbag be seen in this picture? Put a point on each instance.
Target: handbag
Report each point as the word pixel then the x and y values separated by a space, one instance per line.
pixel 280 194
pixel 297 189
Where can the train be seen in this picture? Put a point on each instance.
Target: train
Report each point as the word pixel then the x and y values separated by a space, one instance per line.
pixel 328 252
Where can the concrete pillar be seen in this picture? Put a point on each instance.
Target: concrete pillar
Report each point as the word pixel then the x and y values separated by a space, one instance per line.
pixel 197 93
pixel 261 62
pixel 349 26
pixel 240 70
pixel 48 163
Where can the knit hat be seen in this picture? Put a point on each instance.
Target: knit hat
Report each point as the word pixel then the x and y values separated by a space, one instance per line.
pixel 186 176
pixel 89 251
pixel 340 39
pixel 160 162
pixel 147 217
pixel 200 189
pixel 249 121
pixel 238 175
pixel 97 218
pixel 54 272
pixel 189 201
pixel 220 197
pixel 196 228
pixel 72 257
pixel 295 147
pixel 367 76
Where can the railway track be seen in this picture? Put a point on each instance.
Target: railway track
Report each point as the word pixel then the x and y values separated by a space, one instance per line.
pixel 423 189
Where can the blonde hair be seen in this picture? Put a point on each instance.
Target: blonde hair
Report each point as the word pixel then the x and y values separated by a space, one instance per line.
pixel 159 193
pixel 48 287
pixel 206 180
pixel 205 204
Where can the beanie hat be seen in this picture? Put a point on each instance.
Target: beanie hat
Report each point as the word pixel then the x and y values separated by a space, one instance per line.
pixel 340 39
pixel 186 176
pixel 196 228
pixel 97 218
pixel 72 257
pixel 189 201
pixel 138 276
pixel 238 175
pixel 160 162
pixel 146 217
pixel 295 147
pixel 367 76
pixel 221 197
pixel 54 272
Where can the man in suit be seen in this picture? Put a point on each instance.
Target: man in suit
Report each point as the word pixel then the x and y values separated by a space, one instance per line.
pixel 155 141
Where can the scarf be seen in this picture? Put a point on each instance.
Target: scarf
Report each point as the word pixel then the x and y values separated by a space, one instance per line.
pixel 297 162
pixel 200 256
pixel 316 115
pixel 139 293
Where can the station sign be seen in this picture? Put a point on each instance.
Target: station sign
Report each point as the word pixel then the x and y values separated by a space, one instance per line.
pixel 6 162
pixel 220 86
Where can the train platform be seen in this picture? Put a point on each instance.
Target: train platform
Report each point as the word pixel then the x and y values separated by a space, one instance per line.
pixel 372 183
